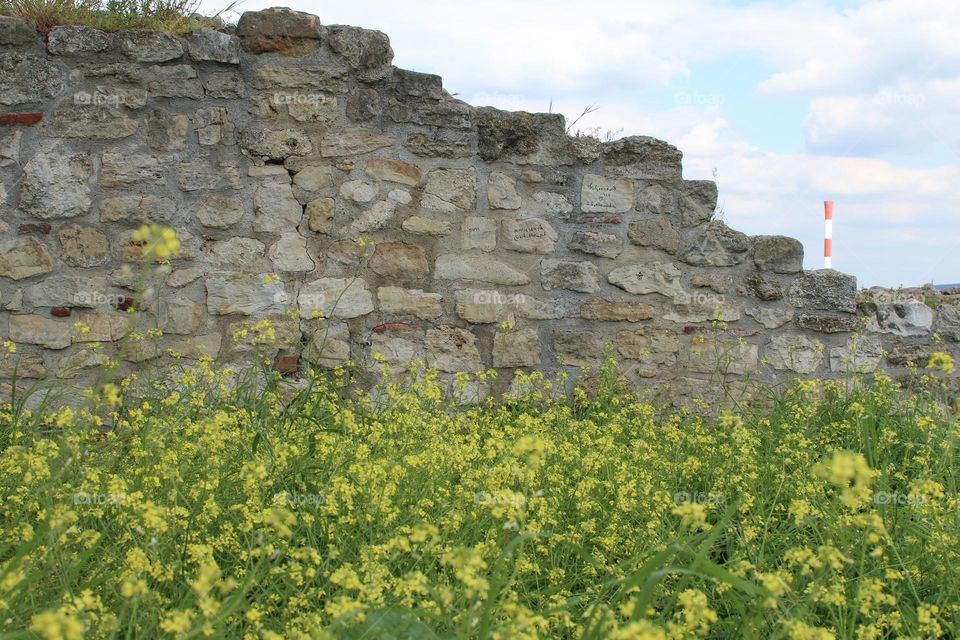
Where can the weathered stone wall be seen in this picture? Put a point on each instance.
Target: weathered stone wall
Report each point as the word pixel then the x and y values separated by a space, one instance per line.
pixel 417 226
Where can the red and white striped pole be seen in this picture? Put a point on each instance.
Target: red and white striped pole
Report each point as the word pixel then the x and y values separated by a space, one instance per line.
pixel 828 234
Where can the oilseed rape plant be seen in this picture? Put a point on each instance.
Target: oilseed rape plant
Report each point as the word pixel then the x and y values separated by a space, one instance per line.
pixel 195 506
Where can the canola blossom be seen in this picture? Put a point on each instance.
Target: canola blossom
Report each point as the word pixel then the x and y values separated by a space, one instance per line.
pixel 201 505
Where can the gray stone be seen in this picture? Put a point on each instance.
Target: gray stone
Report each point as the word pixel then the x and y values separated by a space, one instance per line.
pixel 220 212
pixel 24 257
pixel 948 322
pixel 778 254
pixel 314 177
pixel 423 226
pixel 651 277
pixel 480 306
pixel 452 350
pixel 441 144
pixel 643 157
pixel 450 190
pixel 362 48
pixel 301 76
pixel 825 290
pixel 246 254
pixel 244 293
pixel 179 316
pixel 275 144
pixel 600 194
pixel 352 142
pixel 652 347
pixel 55 185
pixel 907 318
pixel 827 322
pixel 207 45
pixel 762 288
pixel 196 347
pixel 523 138
pixel 182 277
pixel 861 354
pixel 722 356
pixel 794 353
pixel 528 235
pixel 698 203
pixel 771 317
pixel 74 364
pixel 289 253
pixel 73 119
pixel 477 268
pixel 548 203
pixel 616 310
pixel 69 291
pixel 715 246
pixel 656 232
pixel 517 348
pixel 335 298
pixel 84 246
pixel 175 81
pixel 279 30
pixel 502 192
pixel 137 209
pixel 329 346
pixel 198 174
pixel 10 149
pixel 398 351
pixel 605 245
pixel 701 307
pixel 579 348
pixel 224 84
pixel 319 214
pixel 393 171
pixel 568 274
pixel 127 170
pixel 477 232
pixel 16 32
pixel 910 355
pixel 410 302
pixel 359 191
pixel 40 330
pixel 28 78
pixel 659 199
pixel 400 261
pixel 166 131
pixel 149 45
pixel 73 40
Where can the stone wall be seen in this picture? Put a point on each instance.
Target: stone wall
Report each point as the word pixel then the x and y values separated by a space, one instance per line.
pixel 397 219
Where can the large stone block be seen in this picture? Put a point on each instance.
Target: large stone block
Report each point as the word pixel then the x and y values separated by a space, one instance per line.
pixel 56 185
pixel 24 257
pixel 778 254
pixel 600 194
pixel 794 353
pixel 649 277
pixel 279 30
pixel 517 348
pixel 528 235
pixel 244 294
pixel 824 290
pixel 335 298
pixel 569 274
pixel 451 350
pixel 450 190
pixel 715 246
pixel 27 78
pixel 400 261
pixel 477 268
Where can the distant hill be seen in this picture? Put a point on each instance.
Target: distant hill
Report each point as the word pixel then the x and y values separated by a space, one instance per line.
pixel 941 287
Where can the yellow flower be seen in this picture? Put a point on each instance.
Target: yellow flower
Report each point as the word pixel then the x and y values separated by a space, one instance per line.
pixel 850 473
pixel 158 242
pixel 693 516
pixel 942 361
pixel 57 625
pixel 10 347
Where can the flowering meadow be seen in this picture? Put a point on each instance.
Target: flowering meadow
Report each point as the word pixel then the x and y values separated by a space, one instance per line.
pixel 211 505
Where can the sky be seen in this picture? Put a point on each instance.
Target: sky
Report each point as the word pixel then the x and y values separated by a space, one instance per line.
pixel 785 104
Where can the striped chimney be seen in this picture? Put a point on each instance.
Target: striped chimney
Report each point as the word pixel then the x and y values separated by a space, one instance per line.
pixel 828 234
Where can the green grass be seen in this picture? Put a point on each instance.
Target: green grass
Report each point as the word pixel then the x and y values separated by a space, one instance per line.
pixel 178 17
pixel 212 504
